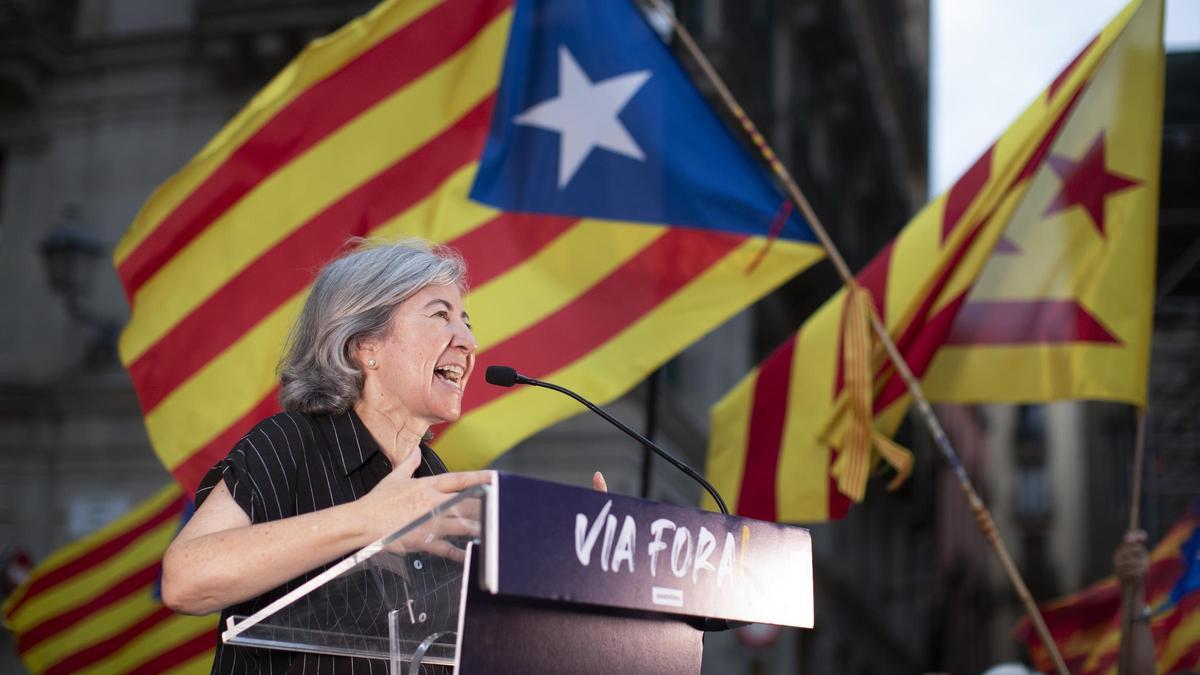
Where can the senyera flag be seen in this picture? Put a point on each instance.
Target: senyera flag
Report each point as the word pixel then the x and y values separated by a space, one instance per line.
pixel 1030 279
pixel 1087 625
pixel 608 218
pixel 95 604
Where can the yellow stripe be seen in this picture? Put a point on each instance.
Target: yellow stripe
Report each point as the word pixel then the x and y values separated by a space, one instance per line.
pixel 95 580
pixel 233 382
pixel 554 276
pixel 1014 374
pixel 920 240
pixel 728 442
pixel 802 479
pixel 175 630
pixel 316 62
pixel 144 510
pixel 294 194
pixel 444 215
pixel 96 627
pixel 609 370
pixel 225 389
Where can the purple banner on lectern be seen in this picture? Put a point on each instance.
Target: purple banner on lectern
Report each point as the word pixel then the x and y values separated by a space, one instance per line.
pixel 557 542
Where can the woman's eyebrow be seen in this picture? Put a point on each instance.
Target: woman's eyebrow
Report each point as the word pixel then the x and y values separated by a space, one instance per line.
pixel 439 301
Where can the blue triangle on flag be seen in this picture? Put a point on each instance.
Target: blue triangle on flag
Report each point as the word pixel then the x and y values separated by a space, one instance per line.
pixel 595 118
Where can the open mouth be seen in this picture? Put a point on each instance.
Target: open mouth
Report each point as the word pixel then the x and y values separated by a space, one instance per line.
pixel 450 373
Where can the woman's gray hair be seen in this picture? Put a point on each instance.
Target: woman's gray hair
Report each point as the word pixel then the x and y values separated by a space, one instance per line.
pixel 352 300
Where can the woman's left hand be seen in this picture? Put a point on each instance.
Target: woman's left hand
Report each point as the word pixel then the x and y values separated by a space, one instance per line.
pixel 598 483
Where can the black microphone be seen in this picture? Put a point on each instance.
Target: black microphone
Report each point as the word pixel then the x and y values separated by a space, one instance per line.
pixel 503 376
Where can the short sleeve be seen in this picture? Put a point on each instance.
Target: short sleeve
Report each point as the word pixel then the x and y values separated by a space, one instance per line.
pixel 238 473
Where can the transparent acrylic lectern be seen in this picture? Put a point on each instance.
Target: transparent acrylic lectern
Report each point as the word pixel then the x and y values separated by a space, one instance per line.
pixel 399 598
pixel 529 576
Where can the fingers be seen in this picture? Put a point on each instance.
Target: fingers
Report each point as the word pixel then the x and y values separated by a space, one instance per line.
pixel 454 525
pixel 461 480
pixel 598 482
pixel 445 549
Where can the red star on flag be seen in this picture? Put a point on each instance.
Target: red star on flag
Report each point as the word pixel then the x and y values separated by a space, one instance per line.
pixel 1087 182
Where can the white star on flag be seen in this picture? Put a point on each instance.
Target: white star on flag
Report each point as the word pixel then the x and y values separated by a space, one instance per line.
pixel 585 115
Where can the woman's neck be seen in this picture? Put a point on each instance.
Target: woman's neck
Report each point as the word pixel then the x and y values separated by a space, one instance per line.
pixel 396 433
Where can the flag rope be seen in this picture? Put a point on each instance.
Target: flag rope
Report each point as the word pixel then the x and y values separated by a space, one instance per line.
pixel 982 515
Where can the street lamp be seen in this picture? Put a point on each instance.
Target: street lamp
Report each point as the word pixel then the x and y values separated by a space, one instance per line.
pixel 70 254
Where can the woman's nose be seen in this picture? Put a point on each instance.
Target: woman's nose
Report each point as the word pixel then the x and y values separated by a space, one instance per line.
pixel 464 338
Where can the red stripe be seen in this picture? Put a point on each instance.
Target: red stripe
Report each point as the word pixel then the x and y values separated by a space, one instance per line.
pixel 105 648
pixel 99 554
pixel 1024 322
pixel 506 241
pixel 874 277
pixel 1035 160
pixel 594 317
pixel 141 579
pixel 287 268
pixel 1066 72
pixel 964 191
pixel 919 351
pixel 322 108
pixel 191 471
pixel 769 408
pixel 837 503
pixel 180 653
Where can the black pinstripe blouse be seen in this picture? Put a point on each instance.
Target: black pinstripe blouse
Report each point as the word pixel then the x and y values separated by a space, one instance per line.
pixel 291 464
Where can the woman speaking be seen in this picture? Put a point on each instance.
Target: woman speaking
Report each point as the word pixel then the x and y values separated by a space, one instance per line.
pixel 381 352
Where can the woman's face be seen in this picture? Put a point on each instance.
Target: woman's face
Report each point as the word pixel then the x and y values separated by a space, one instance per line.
pixel 424 362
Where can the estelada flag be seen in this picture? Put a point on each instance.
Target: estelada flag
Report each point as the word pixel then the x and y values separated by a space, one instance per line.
pixel 1075 181
pixel 607 216
pixel 1087 625
pixel 96 605
pixel 1064 308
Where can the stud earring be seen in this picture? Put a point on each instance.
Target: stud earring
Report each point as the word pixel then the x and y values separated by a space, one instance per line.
pixel 372 364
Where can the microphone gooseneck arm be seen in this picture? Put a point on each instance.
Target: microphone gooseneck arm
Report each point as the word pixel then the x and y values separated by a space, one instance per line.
pixel 506 377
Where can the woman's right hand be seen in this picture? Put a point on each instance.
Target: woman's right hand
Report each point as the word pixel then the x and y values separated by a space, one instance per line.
pixel 399 499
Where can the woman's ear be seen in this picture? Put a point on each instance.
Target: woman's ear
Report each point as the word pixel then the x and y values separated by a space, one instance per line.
pixel 363 352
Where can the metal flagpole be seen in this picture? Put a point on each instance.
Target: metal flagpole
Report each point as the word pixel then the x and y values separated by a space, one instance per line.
pixel 982 515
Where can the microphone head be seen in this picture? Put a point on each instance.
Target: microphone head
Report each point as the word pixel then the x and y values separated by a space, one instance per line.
pixel 501 376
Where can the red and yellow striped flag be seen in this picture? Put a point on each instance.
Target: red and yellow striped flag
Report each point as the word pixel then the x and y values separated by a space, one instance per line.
pixel 1087 625
pixel 94 605
pixel 1059 212
pixel 590 266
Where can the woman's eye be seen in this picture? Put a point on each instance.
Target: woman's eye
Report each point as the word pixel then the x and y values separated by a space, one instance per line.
pixel 443 315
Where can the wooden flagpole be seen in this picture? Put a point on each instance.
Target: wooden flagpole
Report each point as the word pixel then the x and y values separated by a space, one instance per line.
pixel 1135 505
pixel 982 515
pixel 1139 453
